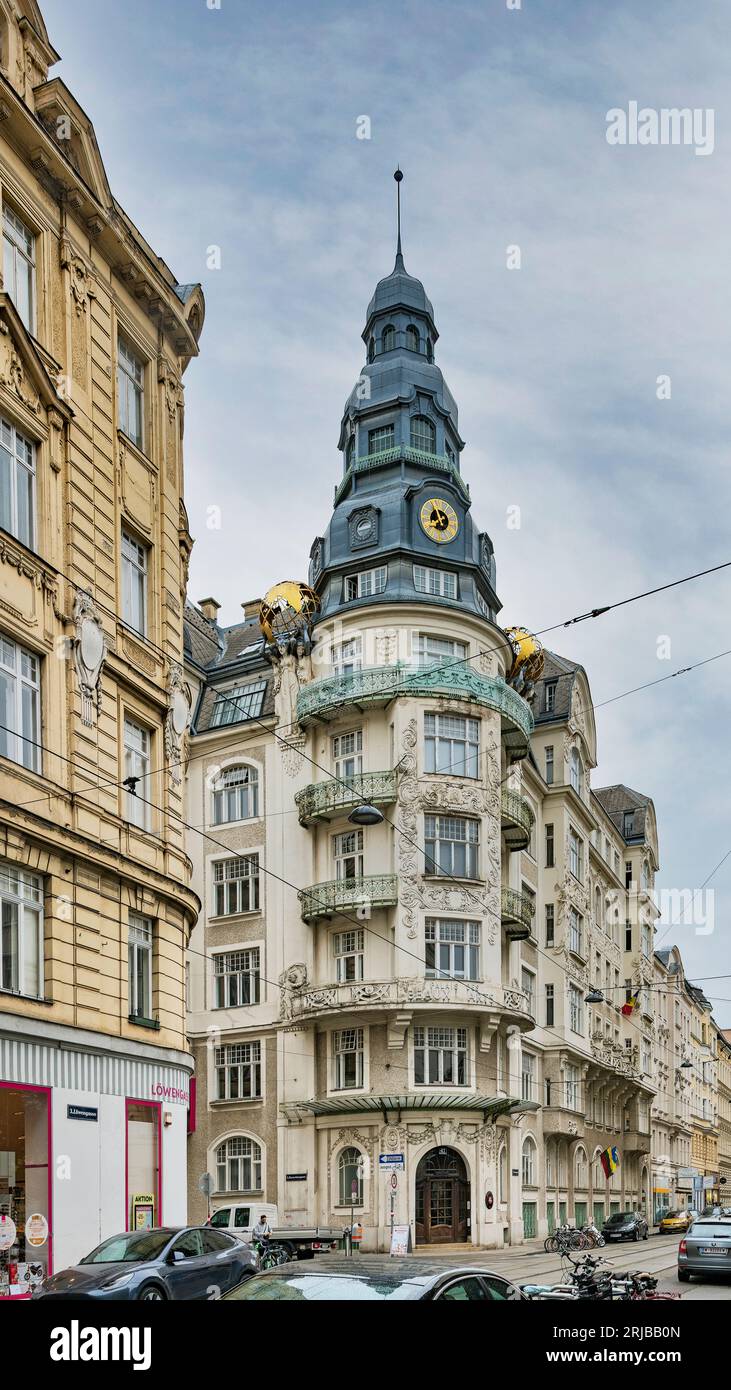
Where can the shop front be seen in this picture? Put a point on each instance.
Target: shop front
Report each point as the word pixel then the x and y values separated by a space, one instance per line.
pixel 92 1142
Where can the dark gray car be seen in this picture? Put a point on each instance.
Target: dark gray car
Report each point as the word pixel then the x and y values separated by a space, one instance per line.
pixel 706 1248
pixel 371 1278
pixel 626 1225
pixel 167 1262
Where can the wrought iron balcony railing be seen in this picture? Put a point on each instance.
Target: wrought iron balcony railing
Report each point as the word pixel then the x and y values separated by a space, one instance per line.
pixel 348 895
pixel 438 463
pixel 517 820
pixel 516 913
pixel 324 800
pixel 377 685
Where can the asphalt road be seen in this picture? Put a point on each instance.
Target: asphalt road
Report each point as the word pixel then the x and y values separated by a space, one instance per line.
pixel 657 1255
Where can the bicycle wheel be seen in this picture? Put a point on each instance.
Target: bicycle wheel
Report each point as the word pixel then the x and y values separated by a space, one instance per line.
pixel 577 1240
pixel 550 1245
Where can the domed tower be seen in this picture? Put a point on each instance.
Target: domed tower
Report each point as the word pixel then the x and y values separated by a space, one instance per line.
pixel 403 978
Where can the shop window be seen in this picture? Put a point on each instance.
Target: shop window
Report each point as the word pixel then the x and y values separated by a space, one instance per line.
pixel 25 1215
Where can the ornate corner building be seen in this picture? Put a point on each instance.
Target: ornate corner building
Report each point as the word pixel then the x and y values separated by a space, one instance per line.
pixel 95 335
pixel 425 934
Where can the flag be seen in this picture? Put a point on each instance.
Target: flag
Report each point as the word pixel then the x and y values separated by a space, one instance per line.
pixel 630 1006
pixel 610 1161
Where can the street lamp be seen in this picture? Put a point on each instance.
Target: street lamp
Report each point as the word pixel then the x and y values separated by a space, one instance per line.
pixel 594 996
pixel 365 815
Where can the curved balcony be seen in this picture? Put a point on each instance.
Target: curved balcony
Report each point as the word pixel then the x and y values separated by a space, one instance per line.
pixel 348 895
pixel 420 994
pixel 322 801
pixel 385 457
pixel 516 913
pixel 516 819
pixel 324 699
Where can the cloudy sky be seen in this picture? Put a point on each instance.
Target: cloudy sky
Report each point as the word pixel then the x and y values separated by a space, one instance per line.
pixel 236 127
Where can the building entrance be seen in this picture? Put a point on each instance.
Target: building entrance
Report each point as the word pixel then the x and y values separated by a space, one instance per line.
pixel 442 1198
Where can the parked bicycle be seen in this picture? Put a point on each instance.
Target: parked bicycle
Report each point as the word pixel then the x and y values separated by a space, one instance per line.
pixel 564 1238
pixel 269 1254
pixel 593 1234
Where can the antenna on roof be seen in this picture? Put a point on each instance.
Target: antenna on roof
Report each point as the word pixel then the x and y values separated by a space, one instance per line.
pixel 398 177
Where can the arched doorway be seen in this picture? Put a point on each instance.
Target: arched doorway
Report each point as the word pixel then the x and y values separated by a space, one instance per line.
pixel 442 1198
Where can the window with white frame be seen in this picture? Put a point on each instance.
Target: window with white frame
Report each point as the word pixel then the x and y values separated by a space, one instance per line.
pixel 131 391
pixel 576 1015
pixel 437 651
pixel 236 977
pixel 347 754
pixel 571 1083
pixel 238 1165
pixel 347 1059
pixel 348 953
pixel 581 1169
pixel 19 265
pixel 452 745
pixel 550 923
pixel 422 434
pixel 528 986
pixel 366 583
pixel 576 854
pixel 549 704
pixel 646 1056
pixel 550 1006
pixel 440 1057
pixel 236 795
pixel 236 885
pixel 576 771
pixel 528 1076
pixel 380 439
pixel 238 704
pixel 646 934
pixel 451 844
pixel 20 705
pixel 137 766
pixel 549 765
pixel 347 657
pixel 452 949
pixel 576 932
pixel 350 1178
pixel 134 583
pixel 238 1071
pixel 530 1162
pixel 17 484
pixel 21 932
pixel 348 854
pixel 440 583
pixel 139 949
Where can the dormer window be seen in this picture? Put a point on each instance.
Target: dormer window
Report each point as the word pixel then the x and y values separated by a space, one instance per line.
pixel 388 341
pixel 350 451
pixel 423 434
pixel 365 584
pixel 429 350
pixel 412 338
pixel 550 693
pixel 371 349
pixel 380 439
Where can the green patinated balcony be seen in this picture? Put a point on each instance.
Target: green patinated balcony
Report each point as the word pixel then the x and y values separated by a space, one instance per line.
pixel 516 914
pixel 323 700
pixel 322 801
pixel 436 463
pixel 350 895
pixel 516 819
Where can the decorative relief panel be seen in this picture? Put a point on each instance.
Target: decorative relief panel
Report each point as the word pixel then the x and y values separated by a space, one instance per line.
pixel 177 720
pixel 89 647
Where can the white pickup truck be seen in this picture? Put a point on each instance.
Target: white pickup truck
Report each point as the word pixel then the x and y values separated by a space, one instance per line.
pixel 301 1241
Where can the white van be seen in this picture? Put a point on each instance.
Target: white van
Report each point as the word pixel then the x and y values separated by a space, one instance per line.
pixel 240 1218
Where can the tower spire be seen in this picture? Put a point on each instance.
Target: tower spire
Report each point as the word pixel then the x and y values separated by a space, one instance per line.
pixel 399 257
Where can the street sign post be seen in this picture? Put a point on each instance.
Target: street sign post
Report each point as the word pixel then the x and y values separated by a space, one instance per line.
pixel 206 1185
pixel 388 1161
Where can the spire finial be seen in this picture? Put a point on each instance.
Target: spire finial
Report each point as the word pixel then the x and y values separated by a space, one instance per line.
pixel 398 177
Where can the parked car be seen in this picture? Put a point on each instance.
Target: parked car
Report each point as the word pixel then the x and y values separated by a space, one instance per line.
pixel 706 1249
pixel 167 1262
pixel 626 1225
pixel 368 1278
pixel 300 1242
pixel 677 1220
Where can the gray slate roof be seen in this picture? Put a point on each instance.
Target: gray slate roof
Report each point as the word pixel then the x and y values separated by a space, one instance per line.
pixel 229 656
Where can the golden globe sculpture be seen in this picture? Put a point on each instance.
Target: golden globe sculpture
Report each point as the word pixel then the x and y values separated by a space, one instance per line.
pixel 286 610
pixel 528 659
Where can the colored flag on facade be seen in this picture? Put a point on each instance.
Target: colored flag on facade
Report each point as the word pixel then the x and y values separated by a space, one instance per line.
pixel 610 1161
pixel 630 1006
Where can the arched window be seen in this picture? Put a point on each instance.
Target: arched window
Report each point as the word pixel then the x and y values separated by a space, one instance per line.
pixel 598 907
pixel 236 795
pixel 423 434
pixel 581 1168
pixel 238 1165
pixel 577 770
pixel 530 1162
pixel 412 338
pixel 598 1178
pixel 350 450
pixel 388 341
pixel 371 349
pixel 550 1166
pixel 502 1174
pixel 645 876
pixel 562 1165
pixel 429 350
pixel 350 1170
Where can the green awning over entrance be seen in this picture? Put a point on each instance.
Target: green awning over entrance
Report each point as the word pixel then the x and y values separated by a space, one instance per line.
pixel 490 1106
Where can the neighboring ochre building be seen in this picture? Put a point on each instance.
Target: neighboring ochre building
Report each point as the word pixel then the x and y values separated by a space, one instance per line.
pixel 417 986
pixel 95 333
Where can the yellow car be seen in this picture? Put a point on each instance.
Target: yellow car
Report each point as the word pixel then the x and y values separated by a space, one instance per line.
pixel 676 1221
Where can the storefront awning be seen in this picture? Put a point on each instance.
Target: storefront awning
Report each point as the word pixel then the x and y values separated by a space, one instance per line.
pixel 490 1106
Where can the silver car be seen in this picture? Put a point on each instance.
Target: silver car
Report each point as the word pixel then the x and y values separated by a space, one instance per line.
pixel 706 1248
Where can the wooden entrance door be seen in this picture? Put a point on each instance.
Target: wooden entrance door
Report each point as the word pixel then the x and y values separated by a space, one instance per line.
pixel 442 1198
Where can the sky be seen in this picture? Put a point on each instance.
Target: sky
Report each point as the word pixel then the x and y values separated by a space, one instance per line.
pixel 236 127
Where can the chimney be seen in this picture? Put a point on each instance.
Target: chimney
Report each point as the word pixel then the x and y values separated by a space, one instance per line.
pixel 251 609
pixel 209 608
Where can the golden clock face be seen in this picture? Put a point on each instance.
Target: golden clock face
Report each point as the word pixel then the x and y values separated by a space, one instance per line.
pixel 439 520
